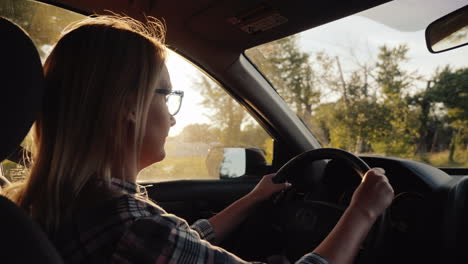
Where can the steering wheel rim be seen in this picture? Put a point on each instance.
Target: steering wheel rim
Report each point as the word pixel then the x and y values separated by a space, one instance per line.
pixel 373 243
pixel 319 154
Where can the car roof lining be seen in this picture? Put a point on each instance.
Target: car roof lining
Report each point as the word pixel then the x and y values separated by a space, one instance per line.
pixel 208 20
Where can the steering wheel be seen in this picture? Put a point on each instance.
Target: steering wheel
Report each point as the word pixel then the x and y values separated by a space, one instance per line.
pixel 314 216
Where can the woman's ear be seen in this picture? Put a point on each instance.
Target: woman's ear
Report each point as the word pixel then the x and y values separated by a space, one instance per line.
pixel 129 110
pixel 131 117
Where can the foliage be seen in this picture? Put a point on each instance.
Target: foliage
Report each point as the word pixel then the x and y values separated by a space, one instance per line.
pixel 390 76
pixel 441 159
pixel 200 133
pixel 13 171
pixel 295 76
pixel 372 108
pixel 222 110
pixel 43 24
pixel 231 124
pixel 451 89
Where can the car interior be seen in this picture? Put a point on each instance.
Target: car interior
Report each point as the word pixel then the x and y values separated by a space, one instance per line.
pixel 426 222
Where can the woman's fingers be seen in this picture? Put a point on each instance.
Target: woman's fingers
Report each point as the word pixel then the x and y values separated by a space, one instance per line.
pixel 266 187
pixel 374 194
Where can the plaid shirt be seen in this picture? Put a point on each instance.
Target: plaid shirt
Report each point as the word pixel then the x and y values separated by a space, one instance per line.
pixel 132 229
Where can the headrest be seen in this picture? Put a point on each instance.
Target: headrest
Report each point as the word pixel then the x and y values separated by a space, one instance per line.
pixel 22 240
pixel 21 86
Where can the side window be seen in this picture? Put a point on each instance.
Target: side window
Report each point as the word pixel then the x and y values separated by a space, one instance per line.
pixel 211 133
pixel 212 130
pixel 11 172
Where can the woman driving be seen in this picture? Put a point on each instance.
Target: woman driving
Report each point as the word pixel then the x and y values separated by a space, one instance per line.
pixel 108 109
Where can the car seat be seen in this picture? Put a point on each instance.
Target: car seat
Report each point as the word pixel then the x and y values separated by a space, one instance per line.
pixel 21 89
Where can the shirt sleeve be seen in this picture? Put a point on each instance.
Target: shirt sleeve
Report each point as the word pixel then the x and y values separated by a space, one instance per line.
pixel 312 258
pixel 205 230
pixel 168 239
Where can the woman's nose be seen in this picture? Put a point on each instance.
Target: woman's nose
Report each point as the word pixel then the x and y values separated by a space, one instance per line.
pixel 173 121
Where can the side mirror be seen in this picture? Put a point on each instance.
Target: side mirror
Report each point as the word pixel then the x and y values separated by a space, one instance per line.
pixel 448 32
pixel 230 163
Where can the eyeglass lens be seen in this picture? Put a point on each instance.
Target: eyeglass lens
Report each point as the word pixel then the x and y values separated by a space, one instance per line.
pixel 173 103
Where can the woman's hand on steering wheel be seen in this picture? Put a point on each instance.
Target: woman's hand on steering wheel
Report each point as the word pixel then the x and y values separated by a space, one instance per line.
pixel 266 188
pixel 373 195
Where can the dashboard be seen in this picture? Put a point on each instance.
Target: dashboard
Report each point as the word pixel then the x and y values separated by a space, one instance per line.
pixel 425 220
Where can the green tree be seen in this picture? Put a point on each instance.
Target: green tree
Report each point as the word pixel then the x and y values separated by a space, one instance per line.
pixel 352 117
pixel 199 133
pixel 223 111
pixel 293 73
pixel 451 88
pixel 373 111
pixel 398 130
pixel 392 79
pixel 253 135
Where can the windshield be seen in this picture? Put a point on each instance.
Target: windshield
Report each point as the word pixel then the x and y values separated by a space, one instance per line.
pixel 368 84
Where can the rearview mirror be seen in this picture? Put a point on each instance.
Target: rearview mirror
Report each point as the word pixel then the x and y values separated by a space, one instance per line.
pixel 448 32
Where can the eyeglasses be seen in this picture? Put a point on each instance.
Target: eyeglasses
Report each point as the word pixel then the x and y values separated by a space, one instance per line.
pixel 173 99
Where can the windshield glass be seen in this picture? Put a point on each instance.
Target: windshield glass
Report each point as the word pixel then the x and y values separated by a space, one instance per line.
pixel 368 84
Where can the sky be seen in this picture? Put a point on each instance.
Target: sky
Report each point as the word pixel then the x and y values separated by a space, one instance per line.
pixel 364 35
pixel 394 23
pixel 183 74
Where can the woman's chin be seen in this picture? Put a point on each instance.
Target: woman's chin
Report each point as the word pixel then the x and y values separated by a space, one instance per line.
pixel 157 157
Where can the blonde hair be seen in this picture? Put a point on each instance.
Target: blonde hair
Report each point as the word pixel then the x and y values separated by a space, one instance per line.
pixel 101 71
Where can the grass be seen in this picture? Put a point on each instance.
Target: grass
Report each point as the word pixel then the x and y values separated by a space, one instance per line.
pixel 441 159
pixel 176 168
